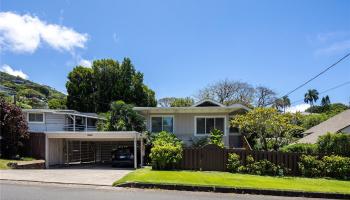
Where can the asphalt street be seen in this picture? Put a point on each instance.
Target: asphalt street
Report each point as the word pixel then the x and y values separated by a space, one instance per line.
pixel 38 191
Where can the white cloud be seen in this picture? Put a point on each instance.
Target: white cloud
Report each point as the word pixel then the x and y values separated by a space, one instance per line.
pixel 9 70
pixel 334 48
pixel 115 38
pixel 85 63
pixel 25 33
pixel 298 108
pixel 328 36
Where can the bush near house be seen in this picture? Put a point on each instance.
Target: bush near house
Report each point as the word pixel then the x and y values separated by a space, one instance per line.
pixel 261 167
pixel 329 144
pixel 301 148
pixel 334 144
pixel 166 151
pixel 216 138
pixel 329 166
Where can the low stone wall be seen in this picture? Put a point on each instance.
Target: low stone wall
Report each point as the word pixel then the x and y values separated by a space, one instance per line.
pixel 35 164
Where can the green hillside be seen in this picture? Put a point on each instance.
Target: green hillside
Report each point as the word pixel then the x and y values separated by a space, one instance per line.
pixel 30 94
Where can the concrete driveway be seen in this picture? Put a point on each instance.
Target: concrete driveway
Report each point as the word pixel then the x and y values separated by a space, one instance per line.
pixel 88 176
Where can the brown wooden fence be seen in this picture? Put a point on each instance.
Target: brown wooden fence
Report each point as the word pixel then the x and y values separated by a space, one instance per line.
pixel 35 145
pixel 214 158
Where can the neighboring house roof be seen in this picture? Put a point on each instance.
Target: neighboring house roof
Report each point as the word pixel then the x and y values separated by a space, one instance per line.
pixel 334 125
pixel 204 106
pixel 63 112
pixel 207 103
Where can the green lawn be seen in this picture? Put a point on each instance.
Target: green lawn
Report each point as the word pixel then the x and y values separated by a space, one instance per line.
pixel 3 162
pixel 146 175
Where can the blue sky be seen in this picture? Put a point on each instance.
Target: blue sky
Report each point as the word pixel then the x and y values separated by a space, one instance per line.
pixel 181 46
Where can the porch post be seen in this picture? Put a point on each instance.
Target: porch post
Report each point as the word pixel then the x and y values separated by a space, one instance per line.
pixel 74 123
pixel 135 152
pixel 46 151
pixel 86 123
pixel 141 151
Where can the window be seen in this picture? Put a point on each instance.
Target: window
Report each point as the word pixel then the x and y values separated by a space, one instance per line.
pixel 36 117
pixel 204 125
pixel 162 123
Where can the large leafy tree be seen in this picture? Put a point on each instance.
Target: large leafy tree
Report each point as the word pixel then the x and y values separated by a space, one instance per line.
pixel 228 92
pixel 264 96
pixel 182 102
pixel 105 82
pixel 13 127
pixel 81 87
pixel 176 102
pixel 266 128
pixel 311 96
pixel 122 117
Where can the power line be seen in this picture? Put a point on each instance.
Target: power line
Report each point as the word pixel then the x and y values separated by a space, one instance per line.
pixel 325 91
pixel 328 68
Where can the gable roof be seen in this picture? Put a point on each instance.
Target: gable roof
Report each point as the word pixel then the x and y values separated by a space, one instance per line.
pixel 208 103
pixel 333 125
pixel 203 106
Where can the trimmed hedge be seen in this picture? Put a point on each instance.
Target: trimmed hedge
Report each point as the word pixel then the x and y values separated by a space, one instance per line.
pixel 334 144
pixel 329 144
pixel 301 148
pixel 329 166
pixel 261 167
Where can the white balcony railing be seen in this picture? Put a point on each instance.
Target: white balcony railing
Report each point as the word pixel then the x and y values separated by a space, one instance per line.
pixel 78 127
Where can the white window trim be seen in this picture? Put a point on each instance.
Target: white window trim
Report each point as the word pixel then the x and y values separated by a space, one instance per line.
pixel 214 116
pixel 150 122
pixel 42 122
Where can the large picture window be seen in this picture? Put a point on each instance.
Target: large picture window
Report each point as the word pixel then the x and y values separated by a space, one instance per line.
pixel 36 117
pixel 162 123
pixel 204 125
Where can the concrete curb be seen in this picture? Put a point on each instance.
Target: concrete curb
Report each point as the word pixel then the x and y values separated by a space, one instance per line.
pixel 237 190
pixel 53 182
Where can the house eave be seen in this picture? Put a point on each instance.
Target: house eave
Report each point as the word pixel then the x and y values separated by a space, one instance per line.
pixel 189 109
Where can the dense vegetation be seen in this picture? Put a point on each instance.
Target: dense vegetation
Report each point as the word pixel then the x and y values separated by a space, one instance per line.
pixel 30 94
pixel 122 117
pixel 93 89
pixel 13 129
pixel 166 151
pixel 329 144
pixel 268 129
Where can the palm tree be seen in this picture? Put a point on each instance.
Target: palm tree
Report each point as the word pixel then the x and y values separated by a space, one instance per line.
pixel 286 103
pixel 325 101
pixel 311 96
pixel 282 103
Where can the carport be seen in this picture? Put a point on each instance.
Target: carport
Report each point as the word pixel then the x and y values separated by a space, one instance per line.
pixel 62 147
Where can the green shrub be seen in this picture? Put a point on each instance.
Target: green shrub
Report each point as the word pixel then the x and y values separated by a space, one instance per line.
pixel 166 151
pixel 310 166
pixel 262 167
pixel 313 120
pixel 301 148
pixel 233 163
pixel 216 138
pixel 334 144
pixel 337 167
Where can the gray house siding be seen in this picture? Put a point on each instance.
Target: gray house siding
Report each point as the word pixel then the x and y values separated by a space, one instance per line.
pixel 53 122
pixel 184 125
